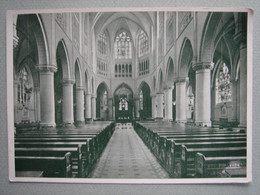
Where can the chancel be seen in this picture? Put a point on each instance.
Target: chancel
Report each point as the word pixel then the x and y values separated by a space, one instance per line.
pixel 151 94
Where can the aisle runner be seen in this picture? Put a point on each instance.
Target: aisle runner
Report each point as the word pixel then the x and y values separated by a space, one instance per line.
pixel 126 156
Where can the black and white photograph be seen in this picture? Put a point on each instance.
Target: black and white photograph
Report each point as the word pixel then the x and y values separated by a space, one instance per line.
pixel 140 95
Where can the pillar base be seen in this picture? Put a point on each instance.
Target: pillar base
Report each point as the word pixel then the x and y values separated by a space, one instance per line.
pixel 47 126
pixel 167 119
pixel 158 118
pixel 88 120
pixel 80 123
pixel 181 121
pixel 68 125
pixel 203 123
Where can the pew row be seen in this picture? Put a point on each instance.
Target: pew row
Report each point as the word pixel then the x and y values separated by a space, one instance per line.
pixel 211 165
pixel 49 166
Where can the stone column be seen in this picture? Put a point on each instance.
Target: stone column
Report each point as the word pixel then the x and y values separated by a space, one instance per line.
pixel 240 38
pixel 110 108
pixel 37 104
pixel 154 108
pixel 203 93
pixel 168 104
pixel 47 103
pixel 80 105
pixel 160 105
pixel 93 107
pixel 88 107
pixel 234 101
pixel 181 106
pixel 243 87
pixel 137 107
pixel 67 105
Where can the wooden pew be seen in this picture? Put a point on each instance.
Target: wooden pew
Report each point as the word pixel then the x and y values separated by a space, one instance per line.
pixel 234 172
pixel 213 165
pixel 76 155
pixel 161 147
pixel 50 166
pixel 160 138
pixel 173 149
pixel 87 147
pixel 93 138
pixel 187 168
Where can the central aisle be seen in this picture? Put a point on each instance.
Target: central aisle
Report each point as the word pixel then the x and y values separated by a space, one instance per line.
pixel 126 156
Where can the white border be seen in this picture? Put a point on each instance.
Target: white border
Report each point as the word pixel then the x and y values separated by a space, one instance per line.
pixel 10 113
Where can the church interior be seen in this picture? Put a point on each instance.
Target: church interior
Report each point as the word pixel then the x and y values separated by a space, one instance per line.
pixel 151 94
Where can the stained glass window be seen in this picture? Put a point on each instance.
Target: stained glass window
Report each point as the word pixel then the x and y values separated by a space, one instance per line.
pixel 223 85
pixel 123 46
pixel 24 89
pixel 123 104
pixel 141 100
pixel 144 67
pixel 102 44
pixel 143 44
pixel 105 98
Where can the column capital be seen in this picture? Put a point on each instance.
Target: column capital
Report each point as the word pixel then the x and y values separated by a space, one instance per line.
pixel 80 88
pixel 46 68
pixel 181 79
pixel 203 65
pixel 68 81
pixel 93 96
pixel 159 93
pixel 168 88
pixel 87 93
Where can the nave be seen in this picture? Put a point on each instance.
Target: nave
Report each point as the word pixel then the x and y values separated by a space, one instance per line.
pixel 126 156
pixel 146 149
pixel 179 77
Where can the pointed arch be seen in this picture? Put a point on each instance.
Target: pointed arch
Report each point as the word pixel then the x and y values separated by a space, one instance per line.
pixel 145 100
pixel 123 85
pixel 87 88
pixel 78 74
pixel 185 58
pixel 160 81
pixel 214 23
pixel 62 57
pixel 170 73
pixel 93 85
pixel 102 101
pixel 154 84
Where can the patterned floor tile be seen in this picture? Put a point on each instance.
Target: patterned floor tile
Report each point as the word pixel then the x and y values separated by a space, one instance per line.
pixel 126 156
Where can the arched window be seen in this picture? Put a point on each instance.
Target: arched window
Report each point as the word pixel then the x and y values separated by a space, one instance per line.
pixel 123 104
pixel 123 46
pixel 141 96
pixel 102 44
pixel 105 99
pixel 25 87
pixel 102 51
pixel 143 44
pixel 223 85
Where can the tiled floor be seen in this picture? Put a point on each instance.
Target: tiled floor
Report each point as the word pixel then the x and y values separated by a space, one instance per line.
pixel 126 156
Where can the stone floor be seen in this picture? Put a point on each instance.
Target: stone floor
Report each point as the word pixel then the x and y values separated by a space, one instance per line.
pixel 126 156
